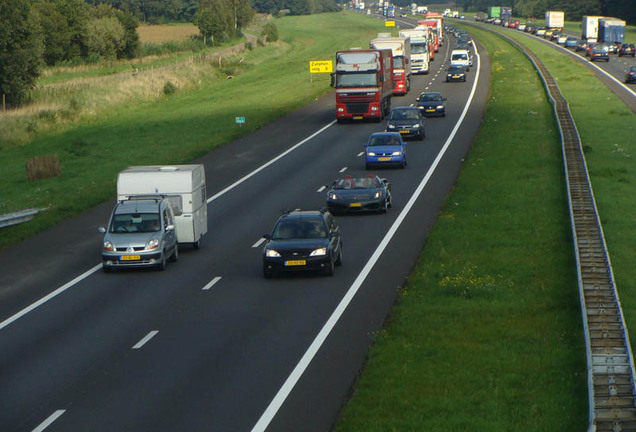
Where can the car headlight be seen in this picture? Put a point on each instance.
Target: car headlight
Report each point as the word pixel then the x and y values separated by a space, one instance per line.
pixel 396 153
pixel 416 126
pixel 109 246
pixel 390 126
pixel 319 252
pixel 271 253
pixel 371 154
pixel 440 106
pixel 378 194
pixel 152 244
pixel 333 196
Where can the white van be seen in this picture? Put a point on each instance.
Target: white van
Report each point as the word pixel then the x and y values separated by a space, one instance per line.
pixel 183 186
pixel 461 57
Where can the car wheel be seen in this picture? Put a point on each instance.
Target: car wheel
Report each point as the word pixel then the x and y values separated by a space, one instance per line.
pixel 329 268
pixel 162 264
pixel 385 207
pixel 175 254
pixel 389 198
pixel 422 135
pixel 339 260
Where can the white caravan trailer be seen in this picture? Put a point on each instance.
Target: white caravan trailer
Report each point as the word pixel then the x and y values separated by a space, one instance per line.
pixel 182 185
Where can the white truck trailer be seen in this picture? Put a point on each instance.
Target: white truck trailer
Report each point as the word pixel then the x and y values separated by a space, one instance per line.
pixel 554 20
pixel 420 55
pixel 589 27
pixel 182 185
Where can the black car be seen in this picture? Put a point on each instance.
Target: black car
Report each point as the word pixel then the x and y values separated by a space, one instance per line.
pixel 359 194
pixel 407 121
pixel 630 76
pixel 303 240
pixel 627 49
pixel 432 104
pixel 600 52
pixel 456 73
pixel 581 45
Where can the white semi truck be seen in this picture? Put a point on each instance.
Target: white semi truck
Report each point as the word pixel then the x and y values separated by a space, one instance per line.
pixel 401 49
pixel 420 55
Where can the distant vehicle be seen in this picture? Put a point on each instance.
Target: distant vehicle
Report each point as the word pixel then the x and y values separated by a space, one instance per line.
pixel 460 57
pixel 600 52
pixel 589 26
pixel 359 194
pixel 627 49
pixel 455 73
pixel 401 50
pixel 581 45
pixel 554 19
pixel 385 148
pixel 588 50
pixel 571 42
pixel 301 241
pixel 613 47
pixel 407 121
pixel 540 31
pixel 522 26
pixel 547 34
pixel 562 39
pixel 432 104
pixel 630 75
pixel 140 233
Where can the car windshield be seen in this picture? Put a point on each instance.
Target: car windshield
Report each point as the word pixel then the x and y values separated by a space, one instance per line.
pixel 358 183
pixel 456 68
pixel 299 229
pixel 459 57
pixel 384 140
pixel 398 62
pixel 430 97
pixel 410 114
pixel 135 223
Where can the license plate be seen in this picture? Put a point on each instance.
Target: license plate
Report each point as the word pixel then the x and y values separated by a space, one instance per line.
pixel 130 258
pixel 295 263
pixel 430 110
pixel 355 205
pixel 455 76
pixel 404 131
pixel 384 159
pixel 358 117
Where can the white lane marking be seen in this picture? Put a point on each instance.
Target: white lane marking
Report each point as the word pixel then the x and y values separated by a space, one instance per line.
pixel 262 167
pixel 211 283
pixel 48 297
pixel 84 275
pixel 259 242
pixel 360 154
pixel 145 339
pixel 322 188
pixel 343 169
pixel 306 359
pixel 46 423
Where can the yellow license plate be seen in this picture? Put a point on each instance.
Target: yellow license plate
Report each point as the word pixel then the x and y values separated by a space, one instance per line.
pixel 430 110
pixel 384 159
pixel 355 205
pixel 358 117
pixel 404 131
pixel 130 258
pixel 455 76
pixel 296 263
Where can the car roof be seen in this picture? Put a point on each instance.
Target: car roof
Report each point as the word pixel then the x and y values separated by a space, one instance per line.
pixel 430 93
pixel 405 108
pixel 300 214
pixel 138 206
pixel 375 134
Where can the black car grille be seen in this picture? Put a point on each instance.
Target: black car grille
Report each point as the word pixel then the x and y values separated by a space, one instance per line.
pixel 135 249
pixel 357 108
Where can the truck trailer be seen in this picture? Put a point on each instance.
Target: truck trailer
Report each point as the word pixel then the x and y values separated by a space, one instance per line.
pixel 183 186
pixel 554 20
pixel 364 84
pixel 401 49
pixel 589 26
pixel 611 30
pixel 420 56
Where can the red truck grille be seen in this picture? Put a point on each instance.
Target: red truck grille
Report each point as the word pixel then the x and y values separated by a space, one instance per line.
pixel 357 103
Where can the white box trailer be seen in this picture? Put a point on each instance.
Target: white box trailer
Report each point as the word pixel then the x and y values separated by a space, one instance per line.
pixel 420 55
pixel 182 185
pixel 554 19
pixel 589 26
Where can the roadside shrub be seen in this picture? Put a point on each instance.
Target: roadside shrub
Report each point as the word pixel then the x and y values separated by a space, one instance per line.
pixel 169 88
pixel 270 31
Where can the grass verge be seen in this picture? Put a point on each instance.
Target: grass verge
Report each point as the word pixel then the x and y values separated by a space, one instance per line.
pixel 487 334
pixel 269 82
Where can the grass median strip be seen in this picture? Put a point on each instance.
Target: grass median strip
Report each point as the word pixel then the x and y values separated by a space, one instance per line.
pixel 487 333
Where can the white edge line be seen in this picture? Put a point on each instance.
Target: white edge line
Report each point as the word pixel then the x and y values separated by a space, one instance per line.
pixel 306 359
pixel 211 283
pixel 145 339
pixel 46 423
pixel 262 167
pixel 343 169
pixel 322 188
pixel 360 154
pixel 49 296
pixel 259 242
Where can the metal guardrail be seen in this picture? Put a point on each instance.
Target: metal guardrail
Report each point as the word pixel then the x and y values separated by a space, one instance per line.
pixel 19 217
pixel 610 361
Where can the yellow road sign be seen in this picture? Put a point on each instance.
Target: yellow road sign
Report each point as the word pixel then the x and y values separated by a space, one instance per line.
pixel 323 66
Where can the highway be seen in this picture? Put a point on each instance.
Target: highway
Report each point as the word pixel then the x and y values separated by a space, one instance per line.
pixel 209 344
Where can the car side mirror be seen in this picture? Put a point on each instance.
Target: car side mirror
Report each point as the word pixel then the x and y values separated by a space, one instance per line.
pixel 366 144
pixel 170 228
pixel 101 230
pixel 386 182
pixel 267 236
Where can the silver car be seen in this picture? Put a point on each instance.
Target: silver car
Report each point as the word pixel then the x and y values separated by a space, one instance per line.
pixel 141 233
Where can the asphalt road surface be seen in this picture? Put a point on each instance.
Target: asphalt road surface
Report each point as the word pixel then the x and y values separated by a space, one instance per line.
pixel 209 344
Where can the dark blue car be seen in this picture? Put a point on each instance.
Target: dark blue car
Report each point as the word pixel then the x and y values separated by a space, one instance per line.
pixel 385 149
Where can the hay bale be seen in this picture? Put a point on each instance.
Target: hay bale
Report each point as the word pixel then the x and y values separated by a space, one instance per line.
pixel 41 167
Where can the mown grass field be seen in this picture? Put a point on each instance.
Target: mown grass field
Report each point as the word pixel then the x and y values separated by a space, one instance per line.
pixel 487 333
pixel 159 129
pixel 165 33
